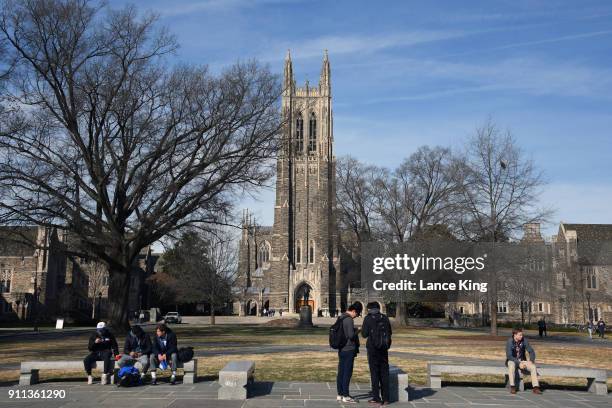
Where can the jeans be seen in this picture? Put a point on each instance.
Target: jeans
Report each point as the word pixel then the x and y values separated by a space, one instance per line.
pixel 378 361
pixel 127 360
pixel 345 371
pixel 524 365
pixel 155 362
pixel 106 356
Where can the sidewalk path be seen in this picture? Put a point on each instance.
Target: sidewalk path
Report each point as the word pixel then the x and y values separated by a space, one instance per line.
pixel 287 394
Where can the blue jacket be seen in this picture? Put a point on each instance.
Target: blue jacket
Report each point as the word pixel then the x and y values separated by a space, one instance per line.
pixel 511 351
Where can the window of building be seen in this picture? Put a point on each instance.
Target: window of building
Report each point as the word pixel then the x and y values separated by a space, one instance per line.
pixel 298 251
pixel 591 277
pixel 541 307
pixel 461 310
pixel 312 134
pixel 299 134
pixel 263 255
pixel 311 252
pixel 502 307
pixel 5 281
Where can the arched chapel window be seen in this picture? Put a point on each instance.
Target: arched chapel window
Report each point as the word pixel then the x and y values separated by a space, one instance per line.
pixel 312 134
pixel 299 134
pixel 298 251
pixel 311 252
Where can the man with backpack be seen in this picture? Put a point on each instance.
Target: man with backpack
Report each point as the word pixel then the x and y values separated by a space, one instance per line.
pixel 164 348
pixel 137 348
pixel 344 337
pixel 377 330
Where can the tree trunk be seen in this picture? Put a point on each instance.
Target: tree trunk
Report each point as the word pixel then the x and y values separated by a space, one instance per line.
pixel 212 314
pixel 493 318
pixel 401 314
pixel 118 296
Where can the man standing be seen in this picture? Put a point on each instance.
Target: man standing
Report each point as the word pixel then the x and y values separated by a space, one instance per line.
pixel 377 329
pixel 137 348
pixel 516 359
pixel 102 347
pixel 346 355
pixel 541 327
pixel 164 348
pixel 601 327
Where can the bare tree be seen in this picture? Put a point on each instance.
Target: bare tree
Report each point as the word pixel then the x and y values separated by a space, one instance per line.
pixel 204 268
pixel 116 145
pixel 354 197
pixel 499 192
pixel 97 274
pixel 392 201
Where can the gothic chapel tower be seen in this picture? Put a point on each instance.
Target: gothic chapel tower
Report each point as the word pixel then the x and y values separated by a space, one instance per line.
pixel 304 236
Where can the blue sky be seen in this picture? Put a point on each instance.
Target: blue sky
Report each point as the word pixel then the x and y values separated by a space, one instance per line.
pixel 405 74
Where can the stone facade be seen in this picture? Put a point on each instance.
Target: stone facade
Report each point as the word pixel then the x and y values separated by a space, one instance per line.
pixel 32 271
pixel 572 277
pixel 38 278
pixel 299 253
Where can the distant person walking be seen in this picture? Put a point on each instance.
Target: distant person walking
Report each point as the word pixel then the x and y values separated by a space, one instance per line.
pixel 164 348
pixel 377 330
pixel 102 347
pixel 346 353
pixel 601 327
pixel 516 359
pixel 589 326
pixel 541 327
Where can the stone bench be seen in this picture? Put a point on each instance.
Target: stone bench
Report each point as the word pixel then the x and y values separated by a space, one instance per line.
pixel 398 384
pixel 190 371
pixel 596 378
pixel 235 380
pixel 29 369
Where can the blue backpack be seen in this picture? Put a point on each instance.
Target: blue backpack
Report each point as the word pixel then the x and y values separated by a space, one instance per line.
pixel 129 376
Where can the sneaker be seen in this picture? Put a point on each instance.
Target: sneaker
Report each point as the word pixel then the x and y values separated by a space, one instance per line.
pixel 536 390
pixel 512 390
pixel 374 401
pixel 349 400
pixel 339 398
pixel 173 379
pixel 153 381
pixel 89 380
pixel 104 380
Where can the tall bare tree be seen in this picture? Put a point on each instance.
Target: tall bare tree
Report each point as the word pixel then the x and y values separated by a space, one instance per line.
pixel 500 193
pixel 97 274
pixel 116 145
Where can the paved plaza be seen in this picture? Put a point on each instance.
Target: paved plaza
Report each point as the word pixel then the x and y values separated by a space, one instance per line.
pixel 287 394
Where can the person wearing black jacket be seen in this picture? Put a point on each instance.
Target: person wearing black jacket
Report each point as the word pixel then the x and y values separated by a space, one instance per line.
pixel 102 347
pixel 378 357
pixel 164 348
pixel 137 348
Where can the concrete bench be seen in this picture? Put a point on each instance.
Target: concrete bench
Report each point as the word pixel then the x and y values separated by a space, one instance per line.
pixel 596 378
pixel 190 370
pixel 235 379
pixel 398 384
pixel 29 369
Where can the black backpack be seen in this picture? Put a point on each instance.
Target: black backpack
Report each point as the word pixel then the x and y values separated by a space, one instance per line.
pixel 380 336
pixel 185 354
pixel 337 338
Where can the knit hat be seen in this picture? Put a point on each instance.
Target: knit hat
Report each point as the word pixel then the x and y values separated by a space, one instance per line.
pixel 100 325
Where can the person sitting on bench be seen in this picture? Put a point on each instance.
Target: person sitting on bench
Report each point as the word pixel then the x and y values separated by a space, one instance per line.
pixel 137 348
pixel 164 348
pixel 102 347
pixel 516 359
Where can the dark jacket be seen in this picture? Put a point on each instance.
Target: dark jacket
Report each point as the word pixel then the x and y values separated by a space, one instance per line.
pixel 140 345
pixel 348 327
pixel 108 341
pixel 370 322
pixel 524 346
pixel 170 347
